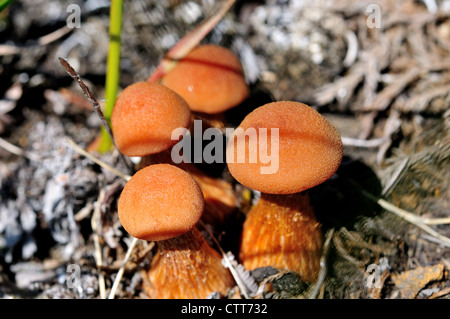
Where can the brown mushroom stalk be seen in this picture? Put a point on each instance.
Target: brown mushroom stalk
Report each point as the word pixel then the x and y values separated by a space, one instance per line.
pixel 281 229
pixel 186 267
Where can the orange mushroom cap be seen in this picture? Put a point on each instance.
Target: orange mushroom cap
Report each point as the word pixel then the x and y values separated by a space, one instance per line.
pixel 210 78
pixel 160 202
pixel 144 116
pixel 310 149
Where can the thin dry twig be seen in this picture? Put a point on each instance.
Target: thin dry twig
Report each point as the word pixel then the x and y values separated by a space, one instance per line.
pixel 391 126
pixel 119 275
pixel 95 221
pixel 323 265
pixel 8 49
pixel 352 48
pixel 84 212
pixel 341 249
pixel 54 36
pixel 81 151
pixel 413 219
pixel 435 240
pixel 135 240
pixel 357 142
pixel 341 89
pixel 94 102
pixel 420 102
pixel 388 94
pixel 395 177
pixel 18 151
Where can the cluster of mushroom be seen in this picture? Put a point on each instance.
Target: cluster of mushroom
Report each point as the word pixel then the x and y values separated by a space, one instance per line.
pixel 163 202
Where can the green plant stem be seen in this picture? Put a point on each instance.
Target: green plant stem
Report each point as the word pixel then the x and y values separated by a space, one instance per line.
pixel 113 68
pixel 4 4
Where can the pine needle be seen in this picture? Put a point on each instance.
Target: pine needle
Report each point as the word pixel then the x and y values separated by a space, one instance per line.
pixel 411 218
pixel 323 265
pixel 95 221
pixel 119 276
pixel 13 149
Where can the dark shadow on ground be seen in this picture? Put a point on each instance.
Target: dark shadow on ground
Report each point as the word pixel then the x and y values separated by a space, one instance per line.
pixel 339 202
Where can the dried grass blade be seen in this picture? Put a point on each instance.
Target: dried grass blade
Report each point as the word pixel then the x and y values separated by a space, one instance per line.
pixel 94 102
pixel 189 41
pixel 96 160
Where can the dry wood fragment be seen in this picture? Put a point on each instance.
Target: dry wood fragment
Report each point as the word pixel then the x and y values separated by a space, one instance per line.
pixel 388 94
pixel 411 282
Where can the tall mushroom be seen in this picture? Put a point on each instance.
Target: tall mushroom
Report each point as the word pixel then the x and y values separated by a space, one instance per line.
pixel 163 203
pixel 281 229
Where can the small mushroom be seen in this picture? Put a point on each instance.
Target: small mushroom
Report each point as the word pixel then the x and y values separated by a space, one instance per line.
pixel 220 199
pixel 281 229
pixel 144 116
pixel 163 203
pixel 210 78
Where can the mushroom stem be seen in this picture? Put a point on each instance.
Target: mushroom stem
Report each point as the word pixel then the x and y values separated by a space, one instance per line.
pixel 281 231
pixel 186 267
